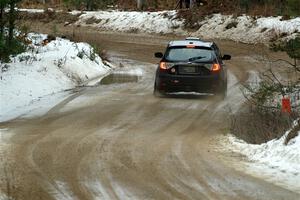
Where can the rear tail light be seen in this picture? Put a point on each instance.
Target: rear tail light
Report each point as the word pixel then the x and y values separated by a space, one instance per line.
pixel 215 67
pixel 165 65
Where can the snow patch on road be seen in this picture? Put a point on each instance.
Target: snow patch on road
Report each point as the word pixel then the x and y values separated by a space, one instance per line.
pixel 36 107
pixel 61 191
pixel 97 190
pixel 5 135
pixel 4 197
pixel 120 191
pixel 110 191
pixel 274 161
pixel 130 71
pixel 43 71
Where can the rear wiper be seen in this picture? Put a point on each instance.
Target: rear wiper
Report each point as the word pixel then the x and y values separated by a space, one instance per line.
pixel 196 58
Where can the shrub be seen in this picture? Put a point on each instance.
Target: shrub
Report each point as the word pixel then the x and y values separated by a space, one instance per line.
pixel 255 125
pixel 15 47
pixel 88 4
pixel 263 120
pixel 293 7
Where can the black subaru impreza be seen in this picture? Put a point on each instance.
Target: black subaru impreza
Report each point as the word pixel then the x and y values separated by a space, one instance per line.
pixel 191 65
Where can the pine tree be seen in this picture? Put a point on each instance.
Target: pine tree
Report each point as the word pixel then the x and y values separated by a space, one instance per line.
pixel 3 5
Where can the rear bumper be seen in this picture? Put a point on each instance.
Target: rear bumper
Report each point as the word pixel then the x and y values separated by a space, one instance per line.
pixel 182 83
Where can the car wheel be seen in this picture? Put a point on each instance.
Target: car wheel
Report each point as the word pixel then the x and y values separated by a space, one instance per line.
pixel 222 94
pixel 157 93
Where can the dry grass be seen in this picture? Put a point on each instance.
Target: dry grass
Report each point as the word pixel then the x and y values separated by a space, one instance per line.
pixel 293 133
pixel 93 20
pixel 258 126
pixel 48 16
pixel 79 36
pixel 151 4
pixel 37 4
pixel 192 17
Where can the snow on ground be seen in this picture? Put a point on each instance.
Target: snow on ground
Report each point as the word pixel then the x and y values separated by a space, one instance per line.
pixel 4 197
pixel 61 191
pixel 146 22
pixel 247 29
pixel 31 10
pixel 242 29
pixel 43 72
pixel 273 161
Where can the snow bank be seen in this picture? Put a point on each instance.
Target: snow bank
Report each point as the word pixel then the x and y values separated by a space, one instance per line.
pixel 247 29
pixel 147 22
pixel 273 160
pixel 45 70
pixel 242 29
pixel 31 10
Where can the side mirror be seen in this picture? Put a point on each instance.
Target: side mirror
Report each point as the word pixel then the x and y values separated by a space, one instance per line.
pixel 226 57
pixel 158 55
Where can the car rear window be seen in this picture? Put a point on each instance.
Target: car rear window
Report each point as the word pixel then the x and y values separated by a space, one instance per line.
pixel 189 54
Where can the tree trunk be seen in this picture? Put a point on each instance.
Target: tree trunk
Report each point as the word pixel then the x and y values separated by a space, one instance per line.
pixel 191 3
pixel 155 4
pixel 1 21
pixel 141 4
pixel 180 4
pixel 89 4
pixel 187 3
pixel 11 22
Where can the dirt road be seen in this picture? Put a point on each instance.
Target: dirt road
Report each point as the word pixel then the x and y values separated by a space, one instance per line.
pixel 117 141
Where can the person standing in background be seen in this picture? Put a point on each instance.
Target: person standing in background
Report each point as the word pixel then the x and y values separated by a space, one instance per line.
pixel 180 4
pixel 141 4
pixel 187 3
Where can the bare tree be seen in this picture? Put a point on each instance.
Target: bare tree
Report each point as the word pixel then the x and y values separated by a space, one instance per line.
pixel 272 84
pixel 141 4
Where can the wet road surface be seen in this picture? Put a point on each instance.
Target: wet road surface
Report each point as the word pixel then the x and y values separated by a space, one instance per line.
pixel 117 141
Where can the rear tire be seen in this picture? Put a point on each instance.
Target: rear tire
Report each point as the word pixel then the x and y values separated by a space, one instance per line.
pixel 157 93
pixel 222 94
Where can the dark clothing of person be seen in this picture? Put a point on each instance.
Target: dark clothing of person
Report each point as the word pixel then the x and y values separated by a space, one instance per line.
pixel 187 3
pixel 180 4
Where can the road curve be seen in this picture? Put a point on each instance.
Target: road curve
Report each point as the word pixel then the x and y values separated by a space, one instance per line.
pixel 118 141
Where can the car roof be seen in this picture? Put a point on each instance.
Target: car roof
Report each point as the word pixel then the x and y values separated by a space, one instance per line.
pixel 190 41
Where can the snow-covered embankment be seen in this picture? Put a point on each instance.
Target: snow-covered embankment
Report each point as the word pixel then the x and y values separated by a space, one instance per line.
pixel 274 161
pixel 243 28
pixel 40 75
pixel 162 22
